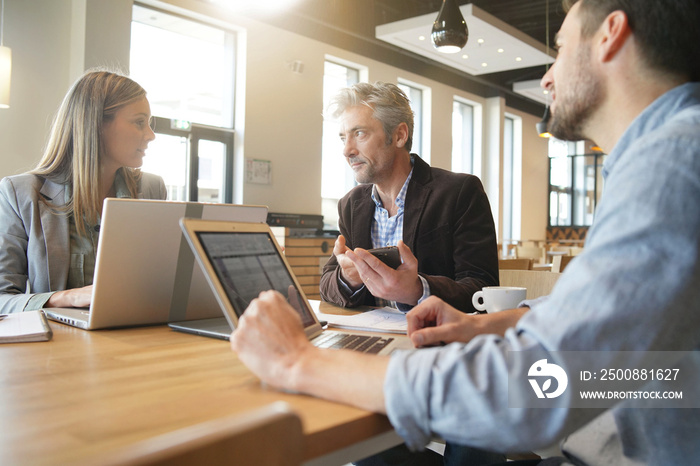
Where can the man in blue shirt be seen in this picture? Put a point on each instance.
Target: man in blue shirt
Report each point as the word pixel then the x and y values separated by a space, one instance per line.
pixel 626 77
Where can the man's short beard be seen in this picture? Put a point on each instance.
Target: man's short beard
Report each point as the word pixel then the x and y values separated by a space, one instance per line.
pixel 581 100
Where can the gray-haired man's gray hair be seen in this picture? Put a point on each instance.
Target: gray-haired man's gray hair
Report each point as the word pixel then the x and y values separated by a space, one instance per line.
pixel 388 102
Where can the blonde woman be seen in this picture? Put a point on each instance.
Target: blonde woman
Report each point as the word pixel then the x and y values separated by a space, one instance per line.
pixel 50 216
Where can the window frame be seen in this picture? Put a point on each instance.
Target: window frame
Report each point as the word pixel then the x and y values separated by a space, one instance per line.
pixel 197 131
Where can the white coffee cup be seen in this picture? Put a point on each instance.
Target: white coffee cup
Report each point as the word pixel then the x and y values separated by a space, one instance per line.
pixel 497 298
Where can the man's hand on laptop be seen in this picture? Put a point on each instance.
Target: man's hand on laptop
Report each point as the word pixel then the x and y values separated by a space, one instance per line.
pixel 76 297
pixel 270 339
pixel 401 285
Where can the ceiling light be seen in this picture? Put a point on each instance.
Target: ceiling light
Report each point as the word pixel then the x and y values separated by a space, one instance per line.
pixel 494 33
pixel 518 58
pixel 501 50
pixel 484 64
pixel 421 37
pixel 450 31
pixel 465 56
pixel 532 90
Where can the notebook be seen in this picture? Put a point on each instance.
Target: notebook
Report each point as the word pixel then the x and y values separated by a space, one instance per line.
pixel 145 272
pixel 242 259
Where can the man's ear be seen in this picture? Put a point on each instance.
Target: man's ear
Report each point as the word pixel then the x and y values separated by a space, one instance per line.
pixel 401 134
pixel 612 35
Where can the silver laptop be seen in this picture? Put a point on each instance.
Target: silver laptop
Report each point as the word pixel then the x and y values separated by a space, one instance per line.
pixel 145 272
pixel 240 260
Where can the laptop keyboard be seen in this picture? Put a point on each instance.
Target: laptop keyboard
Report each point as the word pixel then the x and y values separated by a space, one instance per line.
pixel 362 343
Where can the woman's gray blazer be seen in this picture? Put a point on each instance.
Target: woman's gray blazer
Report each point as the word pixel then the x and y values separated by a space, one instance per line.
pixel 34 241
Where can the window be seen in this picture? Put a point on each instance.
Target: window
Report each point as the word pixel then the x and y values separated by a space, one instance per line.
pixel 187 68
pixel 418 97
pixel 462 137
pixel 512 177
pixel 575 184
pixel 337 176
pixel 508 156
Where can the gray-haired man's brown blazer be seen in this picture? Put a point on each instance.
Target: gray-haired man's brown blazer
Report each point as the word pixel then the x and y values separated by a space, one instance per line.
pixel 447 225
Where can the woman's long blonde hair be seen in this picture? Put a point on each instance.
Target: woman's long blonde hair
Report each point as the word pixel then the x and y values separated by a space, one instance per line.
pixel 75 147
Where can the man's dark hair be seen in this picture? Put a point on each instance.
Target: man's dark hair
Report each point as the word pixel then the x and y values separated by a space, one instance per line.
pixel 667 31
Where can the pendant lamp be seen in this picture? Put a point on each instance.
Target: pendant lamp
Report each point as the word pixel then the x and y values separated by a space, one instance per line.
pixel 542 125
pixel 450 31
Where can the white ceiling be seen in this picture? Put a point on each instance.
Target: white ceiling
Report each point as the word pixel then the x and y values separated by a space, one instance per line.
pixel 532 90
pixel 493 45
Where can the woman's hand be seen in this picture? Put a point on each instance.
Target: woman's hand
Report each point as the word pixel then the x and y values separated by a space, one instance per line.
pixel 75 297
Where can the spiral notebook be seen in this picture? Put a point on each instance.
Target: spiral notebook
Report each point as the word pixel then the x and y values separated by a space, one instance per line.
pixel 24 327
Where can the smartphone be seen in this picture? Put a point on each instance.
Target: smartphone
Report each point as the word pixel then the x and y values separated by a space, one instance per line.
pixel 389 255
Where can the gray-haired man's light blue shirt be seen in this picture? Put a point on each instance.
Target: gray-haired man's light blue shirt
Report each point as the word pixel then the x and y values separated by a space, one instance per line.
pixel 636 287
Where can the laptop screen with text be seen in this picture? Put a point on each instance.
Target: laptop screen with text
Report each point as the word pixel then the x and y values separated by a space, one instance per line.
pixel 247 263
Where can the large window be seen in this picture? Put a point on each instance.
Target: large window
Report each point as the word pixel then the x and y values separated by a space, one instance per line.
pixel 575 183
pixel 187 68
pixel 337 176
pixel 508 159
pixel 417 97
pixel 462 137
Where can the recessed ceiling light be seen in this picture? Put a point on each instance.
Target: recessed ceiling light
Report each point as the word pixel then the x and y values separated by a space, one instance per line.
pixel 500 50
pixel 545 91
pixel 465 56
pixel 518 58
pixel 532 90
pixel 421 37
pixel 480 41
pixel 484 64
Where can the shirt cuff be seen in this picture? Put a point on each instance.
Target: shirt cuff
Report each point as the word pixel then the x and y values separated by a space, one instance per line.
pixel 411 420
pixel 426 293
pixel 38 301
pixel 345 288
pixel 533 302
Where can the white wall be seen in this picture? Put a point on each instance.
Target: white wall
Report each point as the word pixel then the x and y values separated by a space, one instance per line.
pixel 39 33
pixel 281 119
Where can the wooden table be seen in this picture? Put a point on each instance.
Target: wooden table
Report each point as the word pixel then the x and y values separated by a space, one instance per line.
pixel 85 393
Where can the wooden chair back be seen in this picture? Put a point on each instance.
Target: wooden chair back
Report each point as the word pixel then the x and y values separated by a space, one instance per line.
pixel 515 264
pixel 537 254
pixel 270 436
pixel 559 263
pixel 537 283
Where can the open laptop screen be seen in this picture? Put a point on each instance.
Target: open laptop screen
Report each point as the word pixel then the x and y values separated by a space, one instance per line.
pixel 247 263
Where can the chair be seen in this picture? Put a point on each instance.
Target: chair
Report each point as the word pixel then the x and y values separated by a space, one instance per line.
pixel 271 436
pixel 515 264
pixel 537 283
pixel 560 262
pixel 537 254
pixel 575 250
